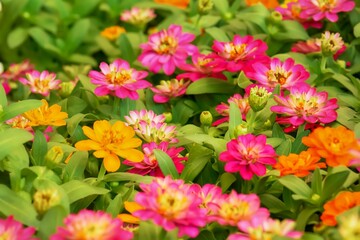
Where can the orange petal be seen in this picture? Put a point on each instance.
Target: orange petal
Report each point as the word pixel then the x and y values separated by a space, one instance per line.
pixel 86 145
pixel 101 153
pixel 132 155
pixel 132 206
pixel 128 218
pixel 129 143
pixel 89 133
pixel 100 127
pixel 111 163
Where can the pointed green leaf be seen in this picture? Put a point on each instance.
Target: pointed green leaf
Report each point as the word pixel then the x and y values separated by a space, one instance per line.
pixel 296 185
pixel 39 149
pixel 166 164
pixel 125 177
pixel 12 138
pixel 74 169
pixel 77 35
pixel 77 190
pixel 18 108
pixel 198 157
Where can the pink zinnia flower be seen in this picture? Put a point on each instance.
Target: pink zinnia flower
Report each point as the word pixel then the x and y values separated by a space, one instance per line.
pixel 235 55
pixel 223 108
pixel 171 204
pixel 169 89
pixel 167 49
pixel 210 194
pixel 287 74
pixel 17 70
pixel 118 79
pixel 138 16
pixel 150 166
pixel 241 210
pixel 202 67
pixel 41 82
pixel 304 104
pixel 320 9
pixel 248 155
pixel 355 152
pixel 13 230
pixel 89 224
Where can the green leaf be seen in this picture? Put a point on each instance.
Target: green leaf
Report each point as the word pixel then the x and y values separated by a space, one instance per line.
pixel 291 30
pixel 17 159
pixel 235 118
pixel 277 132
pixel 166 164
pixel 77 190
pixel 125 177
pixel 296 185
pixel 51 220
pixel 284 148
pixel 181 112
pixel 274 142
pixel 74 169
pixel 297 146
pixel 205 235
pixel 44 40
pixel 39 149
pixel 218 144
pixel 18 108
pixel 217 34
pixel 221 5
pixel 332 184
pixel 226 179
pixel 316 182
pixel 83 59
pixel 210 85
pixel 76 35
pixel 82 8
pixel 22 210
pixel 11 138
pixel 274 204
pixel 16 37
pixel 74 122
pixel 344 116
pixel 85 81
pixel 3 98
pixel 199 156
pixel 207 21
pixel 357 30
pixel 304 216
pixel 127 51
pixel 115 205
pixel 257 14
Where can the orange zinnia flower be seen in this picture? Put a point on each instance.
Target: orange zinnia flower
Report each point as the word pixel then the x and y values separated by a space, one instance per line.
pixel 267 3
pixel 177 3
pixel 110 141
pixel 46 116
pixel 341 203
pixel 298 165
pixel 333 144
pixel 130 207
pixel 112 33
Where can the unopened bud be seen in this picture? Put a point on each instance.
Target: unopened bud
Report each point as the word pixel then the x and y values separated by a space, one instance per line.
pixel 66 88
pixel 206 118
pixel 241 129
pixel 258 98
pixel 45 199
pixel 205 6
pixel 276 17
pixel 168 116
pixel 54 155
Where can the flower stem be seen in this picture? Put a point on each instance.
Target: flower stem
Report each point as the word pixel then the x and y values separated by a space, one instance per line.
pixel 102 172
pixel 323 63
pixel 117 106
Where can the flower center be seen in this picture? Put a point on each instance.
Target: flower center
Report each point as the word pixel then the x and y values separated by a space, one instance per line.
pixel 235 51
pixel 171 205
pixel 41 85
pixel 203 61
pixel 279 75
pixel 325 5
pixel 237 212
pixel 167 45
pixel 119 77
pixel 307 106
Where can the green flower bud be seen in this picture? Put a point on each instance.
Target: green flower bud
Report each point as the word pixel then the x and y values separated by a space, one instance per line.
pixel 258 98
pixel 330 43
pixel 66 88
pixel 54 156
pixel 206 118
pixel 205 6
pixel 168 116
pixel 45 199
pixel 241 129
pixel 276 17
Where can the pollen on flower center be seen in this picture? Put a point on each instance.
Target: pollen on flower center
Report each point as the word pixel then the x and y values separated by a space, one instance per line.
pixel 119 77
pixel 167 45
pixel 172 205
pixel 278 76
pixel 235 51
pixel 325 4
pixel 236 212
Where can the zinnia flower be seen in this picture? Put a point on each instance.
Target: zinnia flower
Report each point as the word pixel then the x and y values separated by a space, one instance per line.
pixel 17 70
pixel 331 42
pixel 210 194
pixel 113 32
pixel 267 3
pixel 149 165
pixel 171 204
pixel 167 49
pixel 304 104
pixel 169 89
pixel 235 55
pixel 89 225
pixel 298 164
pixel 11 229
pixel 45 115
pixel 341 203
pixel 202 66
pixel 223 108
pixel 241 210
pixel 248 155
pixel 176 3
pixel 41 82
pixel 333 144
pixel 320 9
pixel 111 141
pixel 138 16
pixel 287 74
pixel 118 79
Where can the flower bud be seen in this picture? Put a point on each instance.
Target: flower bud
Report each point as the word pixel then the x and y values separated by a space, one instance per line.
pixel 66 88
pixel 45 199
pixel 54 155
pixel 276 17
pixel 241 129
pixel 168 116
pixel 206 118
pixel 205 6
pixel 258 98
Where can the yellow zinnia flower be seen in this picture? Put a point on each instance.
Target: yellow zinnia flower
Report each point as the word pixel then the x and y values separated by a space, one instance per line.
pixel 113 32
pixel 110 141
pixel 46 116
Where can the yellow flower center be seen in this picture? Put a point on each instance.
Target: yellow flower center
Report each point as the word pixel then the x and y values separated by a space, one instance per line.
pixel 237 212
pixel 307 106
pixel 171 205
pixel 119 77
pixel 167 45
pixel 325 5
pixel 235 51
pixel 203 61
pixel 279 75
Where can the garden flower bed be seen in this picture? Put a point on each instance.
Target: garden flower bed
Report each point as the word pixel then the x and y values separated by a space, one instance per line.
pixel 179 119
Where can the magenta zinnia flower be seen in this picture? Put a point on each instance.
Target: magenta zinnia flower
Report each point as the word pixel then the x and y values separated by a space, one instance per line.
pixel 287 74
pixel 89 224
pixel 171 204
pixel 41 82
pixel 169 89
pixel 241 210
pixel 138 16
pixel 202 67
pixel 150 166
pixel 304 104
pixel 118 79
pixel 235 55
pixel 320 9
pixel 14 230
pixel 167 49
pixel 248 155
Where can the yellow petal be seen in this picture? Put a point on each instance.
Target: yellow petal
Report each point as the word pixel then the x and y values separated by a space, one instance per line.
pixel 111 163
pixel 129 143
pixel 101 153
pixel 86 145
pixel 132 155
pixel 89 133
pixel 132 206
pixel 101 127
pixel 118 126
pixel 128 218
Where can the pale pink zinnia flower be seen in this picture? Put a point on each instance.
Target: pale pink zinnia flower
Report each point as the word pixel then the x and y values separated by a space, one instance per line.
pixel 169 89
pixel 241 210
pixel 89 224
pixel 304 104
pixel 235 55
pixel 138 16
pixel 248 155
pixel 17 70
pixel 167 49
pixel 13 230
pixel 117 78
pixel 171 204
pixel 149 165
pixel 287 74
pixel 41 82
pixel 320 9
pixel 223 108
pixel 202 66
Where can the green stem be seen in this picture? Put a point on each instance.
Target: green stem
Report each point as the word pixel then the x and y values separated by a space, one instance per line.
pixel 323 63
pixel 117 105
